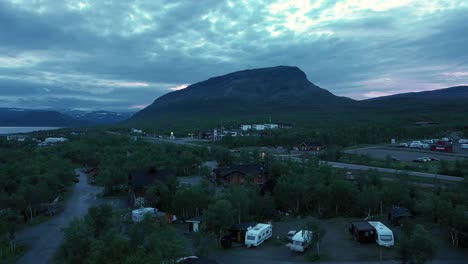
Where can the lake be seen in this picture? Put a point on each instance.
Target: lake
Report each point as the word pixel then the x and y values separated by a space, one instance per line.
pixel 14 130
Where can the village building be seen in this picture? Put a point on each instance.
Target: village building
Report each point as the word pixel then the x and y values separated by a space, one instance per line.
pixel 239 174
pixel 141 179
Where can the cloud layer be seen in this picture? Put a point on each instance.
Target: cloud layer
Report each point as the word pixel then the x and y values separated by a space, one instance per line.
pixel 121 55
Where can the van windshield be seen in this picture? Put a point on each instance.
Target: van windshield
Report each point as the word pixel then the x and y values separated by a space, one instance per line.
pixel 386 238
pixel 250 238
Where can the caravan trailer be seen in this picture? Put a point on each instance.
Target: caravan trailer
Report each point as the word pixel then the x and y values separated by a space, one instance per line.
pixel 301 241
pixel 256 235
pixel 384 234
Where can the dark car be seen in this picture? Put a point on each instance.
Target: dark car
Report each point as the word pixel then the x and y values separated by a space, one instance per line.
pixel 434 159
pixel 395 159
pixel 76 179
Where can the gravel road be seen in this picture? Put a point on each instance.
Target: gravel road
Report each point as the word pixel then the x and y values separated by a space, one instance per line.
pixel 45 239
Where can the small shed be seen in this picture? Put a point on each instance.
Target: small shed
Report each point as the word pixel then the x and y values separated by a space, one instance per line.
pixel 397 214
pixel 194 223
pixel 362 231
pixel 237 231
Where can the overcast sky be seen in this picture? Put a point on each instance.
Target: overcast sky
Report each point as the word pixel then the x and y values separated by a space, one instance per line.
pixel 122 55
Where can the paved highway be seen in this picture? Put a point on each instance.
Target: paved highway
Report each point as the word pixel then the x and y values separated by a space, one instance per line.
pixel 186 141
pixel 363 167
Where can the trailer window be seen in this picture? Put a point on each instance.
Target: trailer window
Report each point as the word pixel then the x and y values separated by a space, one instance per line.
pixel 297 243
pixel 250 238
pixel 386 238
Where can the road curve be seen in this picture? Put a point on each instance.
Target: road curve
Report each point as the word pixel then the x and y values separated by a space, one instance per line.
pixel 387 170
pixel 44 240
pixel 333 164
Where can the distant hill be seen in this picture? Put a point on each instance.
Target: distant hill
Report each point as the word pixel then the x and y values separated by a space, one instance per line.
pixel 98 117
pixel 446 100
pixel 280 92
pixel 66 118
pixel 28 117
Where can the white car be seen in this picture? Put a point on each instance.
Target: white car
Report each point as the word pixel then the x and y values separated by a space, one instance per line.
pixel 416 144
pixel 404 145
pixel 464 146
pixel 426 159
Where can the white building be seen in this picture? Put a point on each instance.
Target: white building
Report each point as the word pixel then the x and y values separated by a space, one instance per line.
pixel 138 131
pixel 53 140
pixel 271 126
pixel 258 126
pixel 245 127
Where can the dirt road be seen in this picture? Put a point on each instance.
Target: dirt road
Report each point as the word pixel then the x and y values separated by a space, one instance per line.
pixel 45 239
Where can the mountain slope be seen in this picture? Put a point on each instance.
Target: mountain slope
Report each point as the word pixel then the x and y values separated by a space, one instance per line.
pixel 98 117
pixel 278 91
pixel 28 117
pixel 448 99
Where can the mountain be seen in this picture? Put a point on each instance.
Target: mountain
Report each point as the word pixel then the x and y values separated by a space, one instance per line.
pixel 283 94
pixel 28 117
pixel 98 117
pixel 446 100
pixel 280 92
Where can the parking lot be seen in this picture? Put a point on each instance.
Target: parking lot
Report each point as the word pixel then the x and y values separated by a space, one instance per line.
pixel 406 154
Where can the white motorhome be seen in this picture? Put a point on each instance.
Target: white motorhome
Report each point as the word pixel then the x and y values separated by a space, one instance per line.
pixel 301 241
pixel 257 234
pixel 139 214
pixel 463 141
pixel 384 236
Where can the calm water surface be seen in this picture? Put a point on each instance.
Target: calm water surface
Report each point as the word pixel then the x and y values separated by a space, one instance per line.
pixel 14 130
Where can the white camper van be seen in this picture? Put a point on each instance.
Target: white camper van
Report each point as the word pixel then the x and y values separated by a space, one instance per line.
pixel 384 234
pixel 257 234
pixel 301 241
pixel 139 214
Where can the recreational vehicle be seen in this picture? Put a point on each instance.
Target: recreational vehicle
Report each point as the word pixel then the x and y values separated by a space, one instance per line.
pixel 301 241
pixel 384 234
pixel 256 235
pixel 139 214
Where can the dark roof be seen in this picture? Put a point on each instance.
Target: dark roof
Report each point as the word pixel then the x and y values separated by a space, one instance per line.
pixel 362 225
pixel 312 143
pixel 245 169
pixel 142 178
pixel 400 212
pixel 242 226
pixel 195 219
pixel 198 261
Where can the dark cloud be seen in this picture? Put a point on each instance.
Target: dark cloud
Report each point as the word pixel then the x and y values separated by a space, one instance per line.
pixel 121 54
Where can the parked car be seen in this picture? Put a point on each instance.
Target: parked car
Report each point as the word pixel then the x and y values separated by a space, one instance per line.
pixel 419 160
pixel 76 179
pixel 403 145
pixel 464 146
pixel 425 146
pixel 416 144
pixel 434 159
pixel 395 159
pixel 426 159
